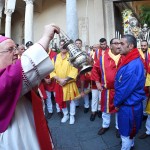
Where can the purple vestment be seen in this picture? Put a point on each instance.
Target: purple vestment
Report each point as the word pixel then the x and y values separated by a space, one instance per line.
pixel 10 89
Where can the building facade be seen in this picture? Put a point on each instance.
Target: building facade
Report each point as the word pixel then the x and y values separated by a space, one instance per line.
pixel 89 20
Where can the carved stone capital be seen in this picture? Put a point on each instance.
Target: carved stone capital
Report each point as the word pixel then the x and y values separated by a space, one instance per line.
pixel 29 1
pixel 8 12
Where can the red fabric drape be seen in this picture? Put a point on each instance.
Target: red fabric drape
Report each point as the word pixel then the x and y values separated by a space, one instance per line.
pixel 42 129
pixel 59 96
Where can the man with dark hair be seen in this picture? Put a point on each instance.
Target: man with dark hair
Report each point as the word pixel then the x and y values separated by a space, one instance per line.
pixel 28 44
pixel 104 70
pixel 129 91
pixel 144 45
pixel 95 92
pixel 49 85
pixel 145 54
pixel 65 88
pixel 102 40
pixel 78 43
pixel 82 83
pixel 103 44
pixel 103 47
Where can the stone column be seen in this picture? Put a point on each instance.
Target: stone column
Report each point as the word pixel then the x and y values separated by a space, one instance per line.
pixel 84 30
pixel 98 20
pixel 0 18
pixel 8 13
pixel 109 20
pixel 72 19
pixel 1 9
pixel 28 21
pixel 9 9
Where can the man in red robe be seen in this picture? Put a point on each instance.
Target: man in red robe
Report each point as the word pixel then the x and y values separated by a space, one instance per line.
pixel 145 53
pixel 83 82
pixel 103 48
pixel 104 70
pixel 49 87
pixel 96 94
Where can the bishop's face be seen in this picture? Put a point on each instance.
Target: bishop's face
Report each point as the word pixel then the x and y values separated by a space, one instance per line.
pixel 8 53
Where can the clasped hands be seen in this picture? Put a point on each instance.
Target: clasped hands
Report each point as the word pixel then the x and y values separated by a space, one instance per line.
pixel 99 87
pixel 61 81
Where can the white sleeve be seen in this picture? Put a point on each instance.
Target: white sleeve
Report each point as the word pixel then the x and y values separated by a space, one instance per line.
pixel 36 65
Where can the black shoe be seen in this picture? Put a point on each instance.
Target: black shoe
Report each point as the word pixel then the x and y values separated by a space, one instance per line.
pixel 132 148
pixel 92 118
pixel 60 114
pixel 86 110
pixel 102 131
pixel 143 136
pixel 99 114
pixel 144 117
pixel 117 133
pixel 49 115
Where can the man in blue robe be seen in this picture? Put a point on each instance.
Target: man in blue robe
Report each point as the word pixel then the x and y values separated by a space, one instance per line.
pixel 129 91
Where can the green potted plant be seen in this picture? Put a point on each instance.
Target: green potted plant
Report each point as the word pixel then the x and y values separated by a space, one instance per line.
pixel 145 15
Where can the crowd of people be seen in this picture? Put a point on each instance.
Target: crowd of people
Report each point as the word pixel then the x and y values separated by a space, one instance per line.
pixel 33 76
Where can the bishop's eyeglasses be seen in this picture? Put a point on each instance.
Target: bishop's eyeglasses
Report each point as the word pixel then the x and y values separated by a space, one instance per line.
pixel 9 50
